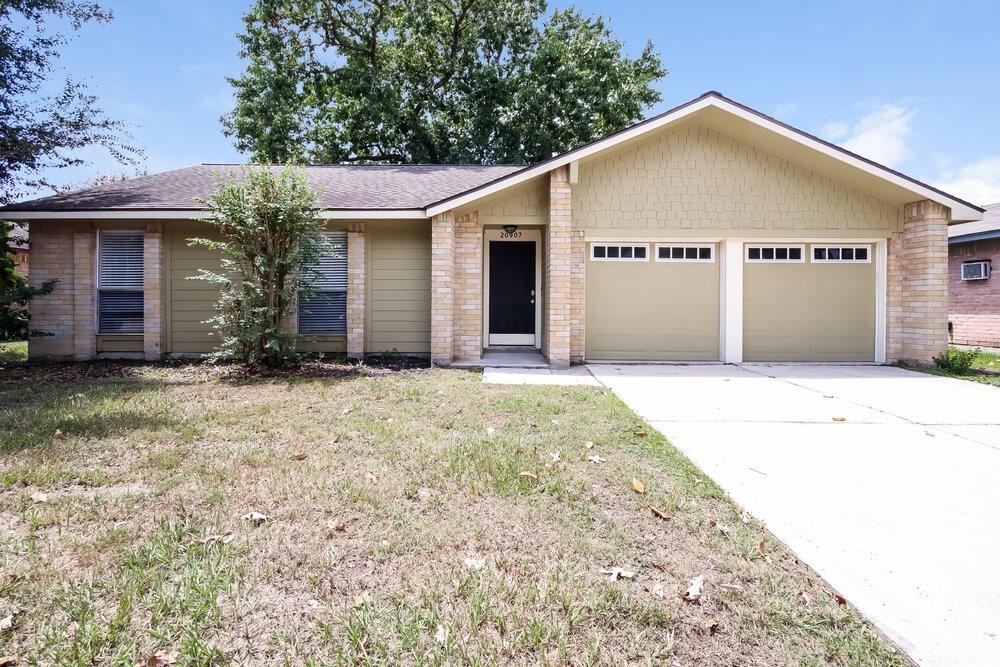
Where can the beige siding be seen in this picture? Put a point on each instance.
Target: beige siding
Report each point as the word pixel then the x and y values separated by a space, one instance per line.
pixel 398 255
pixel 691 179
pixel 113 344
pixel 525 204
pixel 652 310
pixel 189 302
pixel 809 312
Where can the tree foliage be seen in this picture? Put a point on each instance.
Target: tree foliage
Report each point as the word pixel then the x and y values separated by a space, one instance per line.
pixel 431 81
pixel 270 236
pixel 39 129
pixel 15 293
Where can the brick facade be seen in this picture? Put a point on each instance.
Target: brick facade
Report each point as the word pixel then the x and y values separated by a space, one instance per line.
pixel 557 316
pixel 468 287
pixel 356 291
pixel 84 289
pixel 917 280
pixel 974 310
pixel 53 248
pixel 443 288
pixel 578 295
pixel 152 259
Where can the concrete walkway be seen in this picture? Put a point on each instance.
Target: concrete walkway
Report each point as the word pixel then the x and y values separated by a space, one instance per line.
pixel 885 481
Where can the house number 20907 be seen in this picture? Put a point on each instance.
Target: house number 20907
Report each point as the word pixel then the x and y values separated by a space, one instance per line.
pixel 510 235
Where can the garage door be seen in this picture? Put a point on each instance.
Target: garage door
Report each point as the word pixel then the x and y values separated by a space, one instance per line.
pixel 806 302
pixel 652 302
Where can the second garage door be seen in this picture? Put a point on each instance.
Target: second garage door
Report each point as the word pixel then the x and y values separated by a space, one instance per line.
pixel 805 302
pixel 648 301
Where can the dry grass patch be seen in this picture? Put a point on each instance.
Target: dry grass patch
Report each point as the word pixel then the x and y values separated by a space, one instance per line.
pixel 416 517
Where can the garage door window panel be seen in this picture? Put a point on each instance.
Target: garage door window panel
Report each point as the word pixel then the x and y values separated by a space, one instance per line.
pixel 619 252
pixel 678 253
pixel 775 254
pixel 855 254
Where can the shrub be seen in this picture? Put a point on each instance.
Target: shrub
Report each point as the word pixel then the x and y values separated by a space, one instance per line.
pixel 957 360
pixel 270 232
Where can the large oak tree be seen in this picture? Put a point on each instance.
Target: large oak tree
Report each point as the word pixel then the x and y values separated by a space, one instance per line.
pixel 431 81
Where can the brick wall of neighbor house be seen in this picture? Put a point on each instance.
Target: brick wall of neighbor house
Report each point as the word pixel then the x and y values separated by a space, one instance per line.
pixel 917 277
pixel 442 287
pixel 53 249
pixel 974 304
pixel 468 318
pixel 356 290
pixel 558 314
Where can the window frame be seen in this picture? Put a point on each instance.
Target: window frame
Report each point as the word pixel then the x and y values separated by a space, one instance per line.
pixel 869 248
pixel 696 246
pixel 335 233
pixel 748 246
pixel 619 245
pixel 99 289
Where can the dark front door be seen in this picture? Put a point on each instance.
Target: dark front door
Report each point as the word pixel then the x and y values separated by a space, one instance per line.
pixel 512 292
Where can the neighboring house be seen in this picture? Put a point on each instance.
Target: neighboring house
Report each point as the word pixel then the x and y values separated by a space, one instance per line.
pixel 974 250
pixel 17 245
pixel 709 232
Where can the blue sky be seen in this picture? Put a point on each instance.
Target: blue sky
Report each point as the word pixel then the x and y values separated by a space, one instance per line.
pixel 912 84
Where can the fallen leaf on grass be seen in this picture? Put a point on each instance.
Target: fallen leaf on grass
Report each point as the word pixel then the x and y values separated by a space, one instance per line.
pixel 694 591
pixel 6 623
pixel 345 411
pixel 338 526
pixel 805 597
pixel 255 518
pixel 659 513
pixel 659 566
pixel 161 659
pixel 641 434
pixel 617 573
pixel 721 527
pixel 596 459
pixel 298 457
pixel 711 625
pixel 221 538
pixel 760 547
pixel 8 660
pixel 39 497
pixel 490 430
pixel 441 635
pixel 475 563
pixel 745 516
pixel 839 598
pixel 638 486
pixel 589 445
pixel 658 591
pixel 527 474
pixel 554 456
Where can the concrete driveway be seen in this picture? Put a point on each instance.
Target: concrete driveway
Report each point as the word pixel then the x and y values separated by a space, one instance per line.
pixel 885 481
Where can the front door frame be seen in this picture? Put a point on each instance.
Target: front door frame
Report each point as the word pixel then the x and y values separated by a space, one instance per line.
pixel 521 234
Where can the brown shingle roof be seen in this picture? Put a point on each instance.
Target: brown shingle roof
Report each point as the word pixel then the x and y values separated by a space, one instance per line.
pixel 371 187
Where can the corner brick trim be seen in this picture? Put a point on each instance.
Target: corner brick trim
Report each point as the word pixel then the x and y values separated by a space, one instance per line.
pixel 356 290
pixel 152 272
pixel 443 288
pixel 558 269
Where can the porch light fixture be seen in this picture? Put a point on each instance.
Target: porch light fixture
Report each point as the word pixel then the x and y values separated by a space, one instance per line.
pixel 510 229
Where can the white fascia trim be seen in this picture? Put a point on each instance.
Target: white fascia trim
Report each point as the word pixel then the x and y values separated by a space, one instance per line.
pixel 960 211
pixel 353 214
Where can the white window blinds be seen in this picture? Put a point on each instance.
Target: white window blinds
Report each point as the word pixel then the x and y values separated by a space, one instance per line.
pixel 325 310
pixel 119 282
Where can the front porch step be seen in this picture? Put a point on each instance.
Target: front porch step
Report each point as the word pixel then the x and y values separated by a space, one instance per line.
pixel 528 358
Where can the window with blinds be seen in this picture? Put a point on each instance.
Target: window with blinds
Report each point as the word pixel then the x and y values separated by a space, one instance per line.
pixel 325 310
pixel 119 282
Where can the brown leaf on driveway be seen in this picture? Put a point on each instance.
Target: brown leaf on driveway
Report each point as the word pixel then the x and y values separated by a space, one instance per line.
pixel 840 419
pixel 638 486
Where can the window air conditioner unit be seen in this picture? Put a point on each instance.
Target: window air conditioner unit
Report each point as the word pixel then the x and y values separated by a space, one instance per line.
pixel 975 270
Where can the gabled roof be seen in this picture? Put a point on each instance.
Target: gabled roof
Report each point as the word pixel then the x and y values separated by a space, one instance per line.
pixel 421 191
pixel 756 127
pixel 987 228
pixel 340 187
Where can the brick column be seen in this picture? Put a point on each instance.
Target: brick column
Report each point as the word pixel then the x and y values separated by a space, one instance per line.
pixel 84 293
pixel 468 287
pixel 918 284
pixel 558 265
pixel 356 291
pixel 152 278
pixel 442 288
pixel 578 293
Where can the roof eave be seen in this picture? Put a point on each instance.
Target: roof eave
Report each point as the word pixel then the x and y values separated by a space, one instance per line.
pixel 197 214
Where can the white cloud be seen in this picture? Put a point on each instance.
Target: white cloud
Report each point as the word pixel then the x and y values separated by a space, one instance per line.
pixel 835 131
pixel 977 182
pixel 881 135
pixel 785 109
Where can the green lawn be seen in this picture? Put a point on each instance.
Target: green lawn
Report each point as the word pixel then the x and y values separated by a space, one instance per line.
pixel 985 369
pixel 13 352
pixel 416 517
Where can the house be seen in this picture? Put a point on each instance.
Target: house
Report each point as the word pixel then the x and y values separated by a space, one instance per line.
pixel 17 245
pixel 710 232
pixel 974 293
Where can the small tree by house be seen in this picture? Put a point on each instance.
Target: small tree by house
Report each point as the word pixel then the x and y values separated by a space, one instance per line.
pixel 270 236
